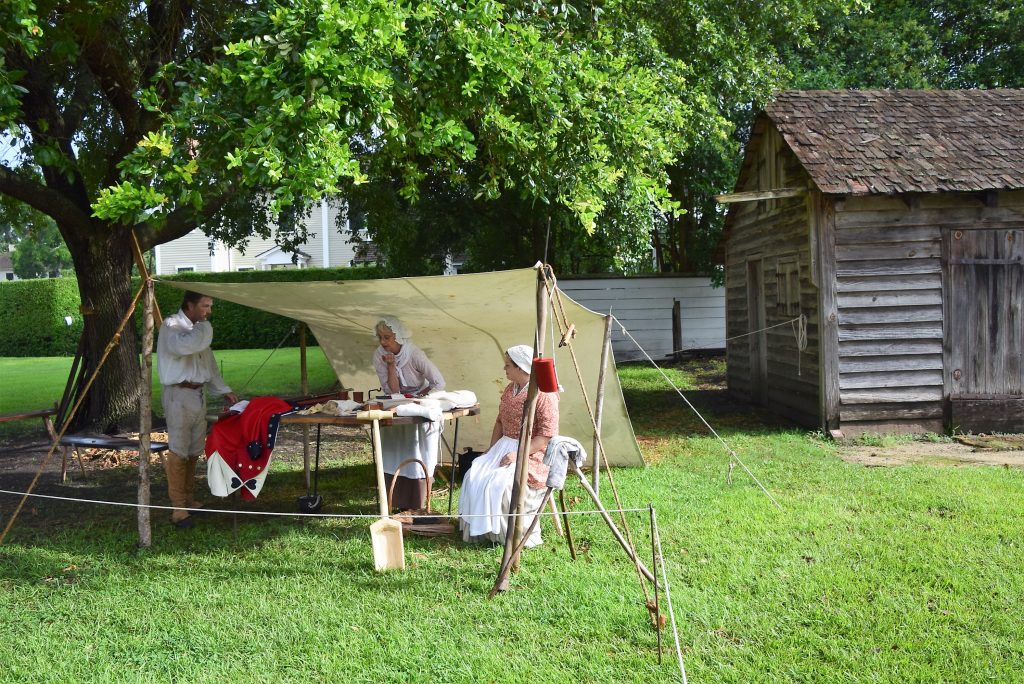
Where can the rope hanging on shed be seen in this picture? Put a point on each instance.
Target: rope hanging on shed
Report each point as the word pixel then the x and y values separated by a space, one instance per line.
pixel 800 333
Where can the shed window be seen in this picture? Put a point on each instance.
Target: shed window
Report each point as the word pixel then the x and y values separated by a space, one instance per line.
pixel 787 277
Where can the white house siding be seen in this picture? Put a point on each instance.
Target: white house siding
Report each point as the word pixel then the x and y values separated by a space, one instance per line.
pixel 190 252
pixel 643 305
pixel 193 251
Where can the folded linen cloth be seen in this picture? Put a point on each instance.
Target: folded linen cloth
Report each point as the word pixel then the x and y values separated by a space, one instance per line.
pixel 449 400
pixel 424 411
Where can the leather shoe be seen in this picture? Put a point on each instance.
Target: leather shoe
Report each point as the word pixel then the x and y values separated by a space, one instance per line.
pixel 185 523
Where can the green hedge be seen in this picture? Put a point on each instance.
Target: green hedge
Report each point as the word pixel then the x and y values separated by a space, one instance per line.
pixel 32 314
pixel 39 307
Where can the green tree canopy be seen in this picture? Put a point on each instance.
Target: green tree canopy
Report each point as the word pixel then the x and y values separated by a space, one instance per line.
pixel 162 116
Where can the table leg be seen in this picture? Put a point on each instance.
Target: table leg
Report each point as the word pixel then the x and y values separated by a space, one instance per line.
pixel 378 463
pixel 316 471
pixel 451 479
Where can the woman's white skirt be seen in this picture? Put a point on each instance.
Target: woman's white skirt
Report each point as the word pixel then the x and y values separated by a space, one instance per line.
pixel 486 497
pixel 401 442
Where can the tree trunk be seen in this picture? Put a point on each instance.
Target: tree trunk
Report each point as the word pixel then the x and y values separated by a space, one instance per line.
pixel 103 266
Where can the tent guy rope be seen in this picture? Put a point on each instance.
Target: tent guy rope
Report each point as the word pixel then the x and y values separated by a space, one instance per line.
pixel 732 454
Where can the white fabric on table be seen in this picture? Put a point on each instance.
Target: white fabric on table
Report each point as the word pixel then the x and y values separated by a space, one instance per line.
pixel 452 399
pixel 487 493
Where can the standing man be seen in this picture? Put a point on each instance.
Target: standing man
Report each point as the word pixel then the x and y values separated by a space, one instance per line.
pixel 186 365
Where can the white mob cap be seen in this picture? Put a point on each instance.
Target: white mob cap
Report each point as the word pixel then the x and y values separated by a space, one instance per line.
pixel 522 356
pixel 396 326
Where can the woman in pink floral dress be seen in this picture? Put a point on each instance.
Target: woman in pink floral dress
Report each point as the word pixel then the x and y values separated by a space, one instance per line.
pixel 485 499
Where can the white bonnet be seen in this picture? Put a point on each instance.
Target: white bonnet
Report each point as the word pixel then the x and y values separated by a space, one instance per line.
pixel 396 326
pixel 522 356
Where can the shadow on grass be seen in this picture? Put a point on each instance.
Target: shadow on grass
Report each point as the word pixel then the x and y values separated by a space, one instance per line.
pixel 657 411
pixel 83 528
pixel 663 413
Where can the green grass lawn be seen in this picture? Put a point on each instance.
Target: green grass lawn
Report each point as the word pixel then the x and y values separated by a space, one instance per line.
pixel 908 574
pixel 36 383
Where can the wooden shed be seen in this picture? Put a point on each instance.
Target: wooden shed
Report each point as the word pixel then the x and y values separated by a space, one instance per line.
pixel 893 221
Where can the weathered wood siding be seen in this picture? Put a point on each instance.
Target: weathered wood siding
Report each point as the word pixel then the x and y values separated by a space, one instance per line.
pixel 778 234
pixel 644 306
pixel 890 277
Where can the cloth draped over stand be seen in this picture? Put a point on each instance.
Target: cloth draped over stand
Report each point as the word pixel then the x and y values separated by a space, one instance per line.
pixel 239 447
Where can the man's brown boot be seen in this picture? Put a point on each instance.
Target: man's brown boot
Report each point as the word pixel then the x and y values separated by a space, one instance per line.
pixel 175 467
pixel 190 485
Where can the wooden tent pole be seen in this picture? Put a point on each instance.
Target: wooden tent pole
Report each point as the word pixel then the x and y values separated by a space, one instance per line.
pixel 599 407
pixel 514 527
pixel 158 320
pixel 304 389
pixel 146 417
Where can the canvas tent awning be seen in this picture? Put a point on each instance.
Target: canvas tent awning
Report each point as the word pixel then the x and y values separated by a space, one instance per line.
pixel 463 323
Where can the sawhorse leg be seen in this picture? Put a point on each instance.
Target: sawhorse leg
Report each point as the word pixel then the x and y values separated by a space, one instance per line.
pixel 64 463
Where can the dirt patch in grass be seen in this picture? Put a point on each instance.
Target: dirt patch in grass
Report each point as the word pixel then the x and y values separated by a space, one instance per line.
pixel 950 454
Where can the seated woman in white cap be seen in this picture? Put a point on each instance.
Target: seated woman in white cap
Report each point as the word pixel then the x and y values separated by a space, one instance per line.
pixel 403 368
pixel 486 496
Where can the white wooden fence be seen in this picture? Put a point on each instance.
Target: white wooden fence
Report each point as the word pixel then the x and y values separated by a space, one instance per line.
pixel 644 306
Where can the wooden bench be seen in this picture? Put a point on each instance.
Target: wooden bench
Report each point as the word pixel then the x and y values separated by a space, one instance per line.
pixel 87 441
pixel 46 414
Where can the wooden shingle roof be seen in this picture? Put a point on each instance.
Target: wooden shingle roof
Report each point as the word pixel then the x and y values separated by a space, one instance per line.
pixel 863 142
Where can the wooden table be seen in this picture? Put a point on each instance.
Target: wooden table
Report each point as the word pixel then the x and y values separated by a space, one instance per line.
pixel 320 419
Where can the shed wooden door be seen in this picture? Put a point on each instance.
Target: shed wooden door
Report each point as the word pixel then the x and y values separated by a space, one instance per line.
pixel 985 329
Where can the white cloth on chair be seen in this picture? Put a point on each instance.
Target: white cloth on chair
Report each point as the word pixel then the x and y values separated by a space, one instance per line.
pixel 560 449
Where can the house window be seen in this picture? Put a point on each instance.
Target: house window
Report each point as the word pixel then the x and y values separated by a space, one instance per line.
pixel 787 280
pixel 245 268
pixel 185 269
pixel 9 276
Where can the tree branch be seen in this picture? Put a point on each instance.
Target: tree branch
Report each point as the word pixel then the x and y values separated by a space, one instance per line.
pixel 51 202
pixel 114 76
pixel 179 222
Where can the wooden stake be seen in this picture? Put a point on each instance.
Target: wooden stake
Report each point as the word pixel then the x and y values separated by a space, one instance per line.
pixel 568 530
pixel 606 348
pixel 145 417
